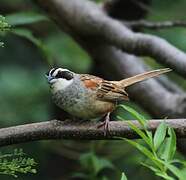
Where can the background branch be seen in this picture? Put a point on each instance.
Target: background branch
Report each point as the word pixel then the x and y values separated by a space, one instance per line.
pixel 90 20
pixel 55 129
pixel 154 25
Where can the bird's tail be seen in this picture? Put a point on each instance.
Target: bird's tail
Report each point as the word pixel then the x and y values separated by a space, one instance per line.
pixel 143 76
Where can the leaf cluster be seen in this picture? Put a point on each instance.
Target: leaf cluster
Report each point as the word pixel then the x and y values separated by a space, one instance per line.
pixel 4 26
pixel 16 162
pixel 157 148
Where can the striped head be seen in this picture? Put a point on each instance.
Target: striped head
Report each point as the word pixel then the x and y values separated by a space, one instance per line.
pixel 59 78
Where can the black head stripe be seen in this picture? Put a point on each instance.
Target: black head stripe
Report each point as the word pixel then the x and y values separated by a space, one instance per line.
pixel 65 75
pixel 51 71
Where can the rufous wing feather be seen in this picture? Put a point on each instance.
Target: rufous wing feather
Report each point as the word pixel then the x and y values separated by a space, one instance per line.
pixel 141 77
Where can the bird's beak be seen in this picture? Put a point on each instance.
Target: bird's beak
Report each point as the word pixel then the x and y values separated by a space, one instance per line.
pixel 49 78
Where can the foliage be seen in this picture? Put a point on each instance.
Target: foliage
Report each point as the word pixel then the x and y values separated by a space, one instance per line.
pixel 16 162
pixel 27 18
pixel 4 26
pixel 123 176
pixel 159 150
pixel 26 33
pixel 23 18
pixel 92 166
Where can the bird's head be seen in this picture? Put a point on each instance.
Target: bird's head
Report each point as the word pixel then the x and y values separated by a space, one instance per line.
pixel 59 78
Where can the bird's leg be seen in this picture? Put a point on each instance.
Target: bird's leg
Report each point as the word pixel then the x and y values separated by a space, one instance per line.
pixel 105 124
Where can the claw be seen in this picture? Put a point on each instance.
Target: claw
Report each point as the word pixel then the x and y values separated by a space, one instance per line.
pixel 105 124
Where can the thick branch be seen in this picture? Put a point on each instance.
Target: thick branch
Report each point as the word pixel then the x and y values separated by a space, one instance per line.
pixel 87 18
pixel 73 130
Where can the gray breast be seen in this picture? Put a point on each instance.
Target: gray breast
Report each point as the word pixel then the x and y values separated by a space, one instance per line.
pixel 74 99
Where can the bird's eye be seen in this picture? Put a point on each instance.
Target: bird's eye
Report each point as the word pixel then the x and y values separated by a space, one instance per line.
pixel 65 75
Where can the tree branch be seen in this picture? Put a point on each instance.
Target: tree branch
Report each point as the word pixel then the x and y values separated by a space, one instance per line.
pixel 154 25
pixel 55 129
pixel 87 18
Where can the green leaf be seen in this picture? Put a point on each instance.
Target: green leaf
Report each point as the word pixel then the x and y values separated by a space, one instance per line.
pixel 123 176
pixel 25 33
pixel 183 162
pixel 158 172
pixel 183 171
pixel 22 18
pixel 177 172
pixel 101 164
pixel 138 116
pixel 160 134
pixel 152 168
pixel 170 147
pixel 141 134
pixel 141 148
pixel 145 151
pixel 165 176
pixel 149 134
pixel 94 163
pixel 120 118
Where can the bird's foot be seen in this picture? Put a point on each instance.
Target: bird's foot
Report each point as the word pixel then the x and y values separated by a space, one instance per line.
pixel 105 124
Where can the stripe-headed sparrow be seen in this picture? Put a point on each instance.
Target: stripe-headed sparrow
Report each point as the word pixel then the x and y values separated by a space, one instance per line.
pixel 86 96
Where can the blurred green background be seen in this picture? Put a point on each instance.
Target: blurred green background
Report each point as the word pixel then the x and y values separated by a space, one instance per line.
pixel 31 47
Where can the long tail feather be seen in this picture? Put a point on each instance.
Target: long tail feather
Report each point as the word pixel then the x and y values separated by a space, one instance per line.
pixel 141 77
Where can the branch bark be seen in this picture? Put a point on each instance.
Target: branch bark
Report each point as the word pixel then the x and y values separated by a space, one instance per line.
pixel 55 129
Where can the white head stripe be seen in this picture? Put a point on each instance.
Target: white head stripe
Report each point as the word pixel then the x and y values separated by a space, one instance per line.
pixel 51 71
pixel 58 69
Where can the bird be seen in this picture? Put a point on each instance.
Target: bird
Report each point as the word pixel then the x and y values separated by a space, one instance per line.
pixel 86 96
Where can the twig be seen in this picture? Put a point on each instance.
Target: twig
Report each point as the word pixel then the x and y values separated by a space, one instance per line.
pixel 155 25
pixel 55 129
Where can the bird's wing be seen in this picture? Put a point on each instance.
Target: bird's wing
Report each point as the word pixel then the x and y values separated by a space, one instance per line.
pixel 105 90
